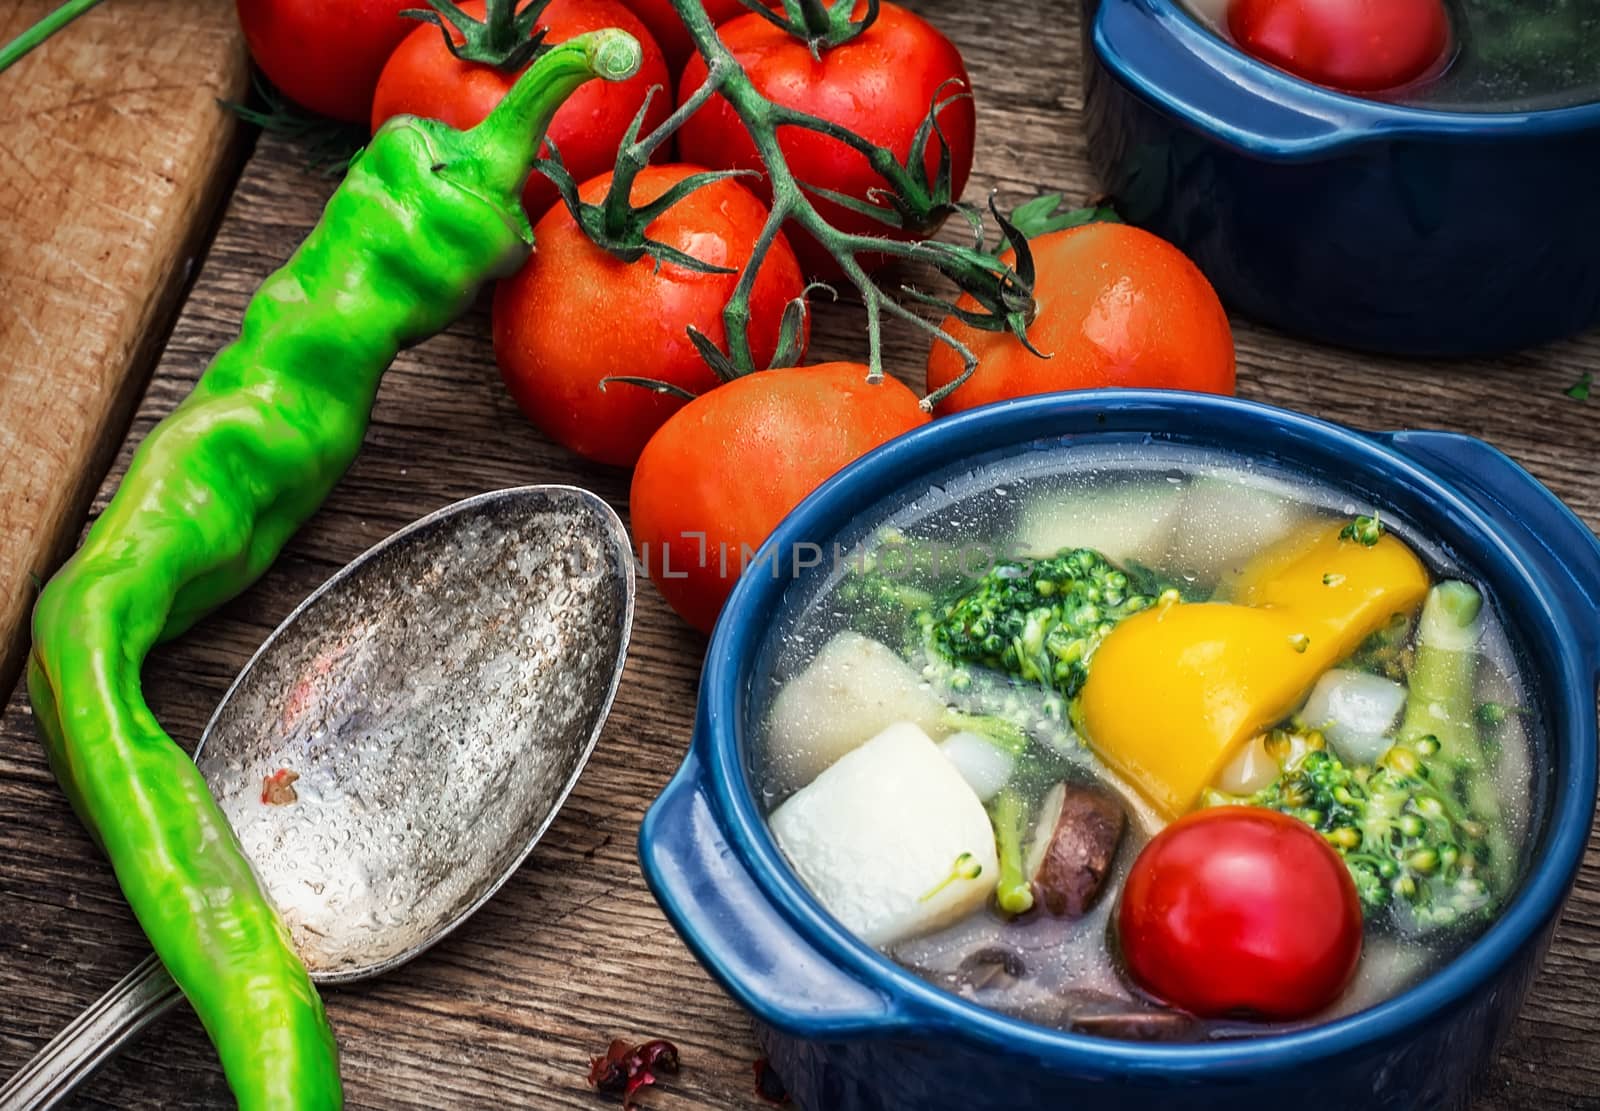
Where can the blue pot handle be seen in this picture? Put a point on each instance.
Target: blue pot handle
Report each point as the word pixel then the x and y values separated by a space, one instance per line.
pixel 1167 58
pixel 731 926
pixel 1554 539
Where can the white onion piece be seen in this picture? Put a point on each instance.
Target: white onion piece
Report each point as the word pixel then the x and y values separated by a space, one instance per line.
pixel 1356 712
pixel 983 764
pixel 1251 769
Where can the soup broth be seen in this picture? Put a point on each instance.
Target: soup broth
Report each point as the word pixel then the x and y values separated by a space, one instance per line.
pixel 1510 55
pixel 863 686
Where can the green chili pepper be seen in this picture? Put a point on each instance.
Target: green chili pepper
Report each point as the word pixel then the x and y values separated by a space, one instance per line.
pixel 425 216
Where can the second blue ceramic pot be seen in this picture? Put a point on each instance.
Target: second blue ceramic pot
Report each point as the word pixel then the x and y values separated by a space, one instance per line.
pixel 1350 221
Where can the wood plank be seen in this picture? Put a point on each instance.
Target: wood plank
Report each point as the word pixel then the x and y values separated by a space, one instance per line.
pixel 573 951
pixel 116 156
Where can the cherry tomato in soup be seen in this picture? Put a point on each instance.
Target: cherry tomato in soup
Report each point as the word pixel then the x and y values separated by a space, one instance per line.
pixel 575 314
pixel 1240 910
pixel 664 24
pixel 422 78
pixel 1355 45
pixel 879 85
pixel 727 467
pixel 1116 306
pixel 323 56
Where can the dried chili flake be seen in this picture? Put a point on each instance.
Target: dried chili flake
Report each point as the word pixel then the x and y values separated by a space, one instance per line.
pixel 625 1069
pixel 768 1084
pixel 277 789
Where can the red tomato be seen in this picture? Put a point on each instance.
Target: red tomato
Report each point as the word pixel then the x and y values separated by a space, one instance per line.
pixel 325 56
pixel 879 85
pixel 424 79
pixel 1241 910
pixel 1356 45
pixel 575 314
pixel 727 467
pixel 664 24
pixel 1117 306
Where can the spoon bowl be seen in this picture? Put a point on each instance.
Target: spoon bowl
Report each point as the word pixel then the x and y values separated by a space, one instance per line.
pixel 434 702
pixel 400 743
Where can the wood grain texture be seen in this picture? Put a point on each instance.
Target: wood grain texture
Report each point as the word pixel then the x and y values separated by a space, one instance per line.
pixel 113 149
pixel 573 951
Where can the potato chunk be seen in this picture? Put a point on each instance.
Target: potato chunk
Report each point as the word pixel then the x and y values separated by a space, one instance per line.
pixel 891 839
pixel 1130 522
pixel 854 689
pixel 1225 521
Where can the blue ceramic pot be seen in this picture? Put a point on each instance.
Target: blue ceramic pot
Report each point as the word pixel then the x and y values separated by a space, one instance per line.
pixel 1351 221
pixel 848 1030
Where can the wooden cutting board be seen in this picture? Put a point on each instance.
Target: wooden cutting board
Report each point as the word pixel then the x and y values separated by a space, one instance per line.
pixel 113 155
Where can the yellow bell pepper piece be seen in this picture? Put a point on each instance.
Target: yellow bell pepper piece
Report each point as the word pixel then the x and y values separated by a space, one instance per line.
pixel 1174 691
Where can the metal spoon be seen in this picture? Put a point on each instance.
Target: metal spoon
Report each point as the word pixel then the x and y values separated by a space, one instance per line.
pixel 436 699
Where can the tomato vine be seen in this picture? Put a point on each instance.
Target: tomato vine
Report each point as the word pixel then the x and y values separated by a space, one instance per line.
pixel 913 199
pixel 1004 292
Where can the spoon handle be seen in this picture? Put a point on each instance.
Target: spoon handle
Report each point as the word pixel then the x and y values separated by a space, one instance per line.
pixel 92 1038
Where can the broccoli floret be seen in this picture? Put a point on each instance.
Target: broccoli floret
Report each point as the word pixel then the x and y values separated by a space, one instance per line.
pixel 1420 830
pixel 1013 642
pixel 1410 848
pixel 1387 652
pixel 1013 891
pixel 1038 620
pixel 889 587
pixel 1033 711
pixel 879 605
pixel 1443 706
pixel 1443 683
pixel 1366 531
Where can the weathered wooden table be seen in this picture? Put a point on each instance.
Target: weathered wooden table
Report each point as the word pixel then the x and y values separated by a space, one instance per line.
pixel 573 951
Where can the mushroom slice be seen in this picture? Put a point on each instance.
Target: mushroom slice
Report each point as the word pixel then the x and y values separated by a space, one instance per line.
pixel 992 968
pixel 1074 845
pixel 1106 1016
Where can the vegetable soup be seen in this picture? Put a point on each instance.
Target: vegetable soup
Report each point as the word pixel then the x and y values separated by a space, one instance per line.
pixel 1057 727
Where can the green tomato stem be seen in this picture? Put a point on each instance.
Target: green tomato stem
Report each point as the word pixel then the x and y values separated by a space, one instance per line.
pixel 813 18
pixel 617 208
pixel 505 38
pixel 49 25
pixel 499 21
pixel 736 315
pixel 821 26
pixel 882 160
